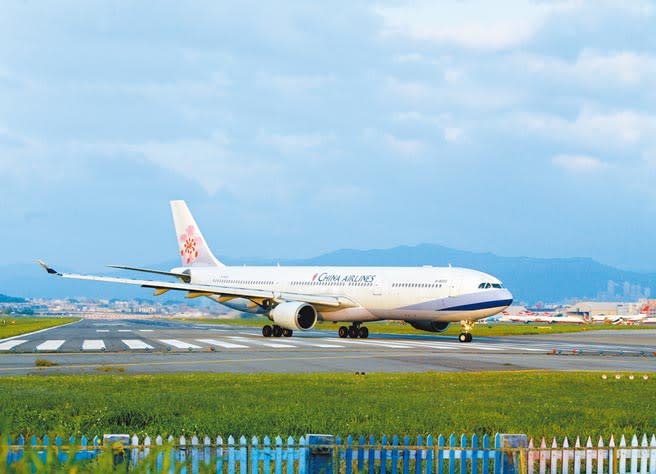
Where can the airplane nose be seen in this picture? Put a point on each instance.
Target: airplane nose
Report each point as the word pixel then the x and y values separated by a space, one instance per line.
pixel 508 297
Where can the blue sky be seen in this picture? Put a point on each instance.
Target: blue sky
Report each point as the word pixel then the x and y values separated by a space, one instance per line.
pixel 296 128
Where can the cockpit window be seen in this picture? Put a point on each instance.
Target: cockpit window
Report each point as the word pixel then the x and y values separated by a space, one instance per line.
pixel 497 285
pixel 487 285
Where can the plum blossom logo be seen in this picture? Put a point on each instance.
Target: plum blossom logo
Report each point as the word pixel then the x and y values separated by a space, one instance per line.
pixel 190 245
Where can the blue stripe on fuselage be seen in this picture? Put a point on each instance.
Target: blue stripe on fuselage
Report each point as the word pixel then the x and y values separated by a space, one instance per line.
pixel 481 305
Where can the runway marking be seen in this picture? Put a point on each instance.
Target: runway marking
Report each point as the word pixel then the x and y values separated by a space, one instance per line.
pixel 136 344
pixel 146 330
pixel 102 330
pixel 50 345
pixel 262 343
pixel 391 345
pixel 8 345
pixel 125 330
pixel 307 342
pixel 227 345
pixel 39 331
pixel 93 345
pixel 179 344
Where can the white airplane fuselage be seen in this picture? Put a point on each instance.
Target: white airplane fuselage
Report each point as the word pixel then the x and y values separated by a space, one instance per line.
pixel 445 294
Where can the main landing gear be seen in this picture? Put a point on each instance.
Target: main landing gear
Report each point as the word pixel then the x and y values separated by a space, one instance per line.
pixel 276 331
pixel 354 332
pixel 465 335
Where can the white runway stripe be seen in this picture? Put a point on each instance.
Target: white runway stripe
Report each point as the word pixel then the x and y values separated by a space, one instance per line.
pixel 145 330
pixel 227 345
pixel 310 342
pixel 102 330
pixel 262 342
pixel 136 344
pixel 391 345
pixel 93 345
pixel 179 344
pixel 8 345
pixel 50 345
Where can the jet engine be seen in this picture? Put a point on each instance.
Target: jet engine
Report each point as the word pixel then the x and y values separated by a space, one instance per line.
pixel 294 315
pixel 430 326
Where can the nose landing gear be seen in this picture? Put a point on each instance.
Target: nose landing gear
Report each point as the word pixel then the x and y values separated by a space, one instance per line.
pixel 354 332
pixel 465 335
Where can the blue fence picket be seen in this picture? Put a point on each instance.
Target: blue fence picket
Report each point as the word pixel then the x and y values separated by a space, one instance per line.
pixel 265 455
pixel 497 454
pixel 383 455
pixel 360 452
pixel 474 454
pixel 290 455
pixel 231 455
pixel 406 454
pixel 419 455
pixel 302 454
pixel 395 455
pixel 348 457
pixel 440 454
pixel 463 454
pixel 61 456
pixel 278 465
pixel 429 454
pixel 243 455
pixel 486 455
pixel 21 450
pixel 452 454
pixel 254 455
pixel 371 458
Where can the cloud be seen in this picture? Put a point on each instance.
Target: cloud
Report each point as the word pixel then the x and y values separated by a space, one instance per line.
pixel 616 130
pixel 404 147
pixel 579 163
pixel 292 144
pixel 453 134
pixel 592 67
pixel 475 24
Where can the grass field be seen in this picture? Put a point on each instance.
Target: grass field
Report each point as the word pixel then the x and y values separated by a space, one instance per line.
pixel 14 326
pixel 536 403
pixel 497 329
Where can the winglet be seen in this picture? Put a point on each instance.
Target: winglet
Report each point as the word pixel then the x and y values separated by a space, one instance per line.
pixel 51 271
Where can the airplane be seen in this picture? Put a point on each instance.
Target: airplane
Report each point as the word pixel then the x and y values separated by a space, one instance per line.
pixel 295 298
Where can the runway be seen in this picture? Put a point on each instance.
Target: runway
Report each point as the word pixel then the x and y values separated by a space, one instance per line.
pixel 156 346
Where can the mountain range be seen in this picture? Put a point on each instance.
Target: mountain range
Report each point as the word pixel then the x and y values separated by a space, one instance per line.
pixel 551 280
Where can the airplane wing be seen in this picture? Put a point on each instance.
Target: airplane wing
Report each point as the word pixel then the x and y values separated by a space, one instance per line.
pixel 206 290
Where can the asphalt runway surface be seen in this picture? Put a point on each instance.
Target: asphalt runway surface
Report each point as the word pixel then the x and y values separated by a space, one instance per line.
pixel 161 346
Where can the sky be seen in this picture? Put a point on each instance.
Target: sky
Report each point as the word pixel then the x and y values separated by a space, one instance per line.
pixel 296 128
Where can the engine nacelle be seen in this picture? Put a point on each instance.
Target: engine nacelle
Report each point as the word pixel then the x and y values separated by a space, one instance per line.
pixel 430 326
pixel 294 315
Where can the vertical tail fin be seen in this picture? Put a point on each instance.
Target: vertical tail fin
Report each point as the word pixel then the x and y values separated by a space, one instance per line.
pixel 194 251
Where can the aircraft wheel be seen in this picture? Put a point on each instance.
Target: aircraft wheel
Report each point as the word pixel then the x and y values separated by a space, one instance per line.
pixel 363 333
pixel 343 332
pixel 277 331
pixel 287 332
pixel 470 338
pixel 353 332
pixel 267 330
pixel 463 337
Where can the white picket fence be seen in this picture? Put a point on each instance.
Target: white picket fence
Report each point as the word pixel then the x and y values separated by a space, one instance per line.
pixel 636 457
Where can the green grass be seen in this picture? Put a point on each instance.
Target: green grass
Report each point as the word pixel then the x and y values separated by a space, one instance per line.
pixel 15 326
pixel 536 403
pixel 391 327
